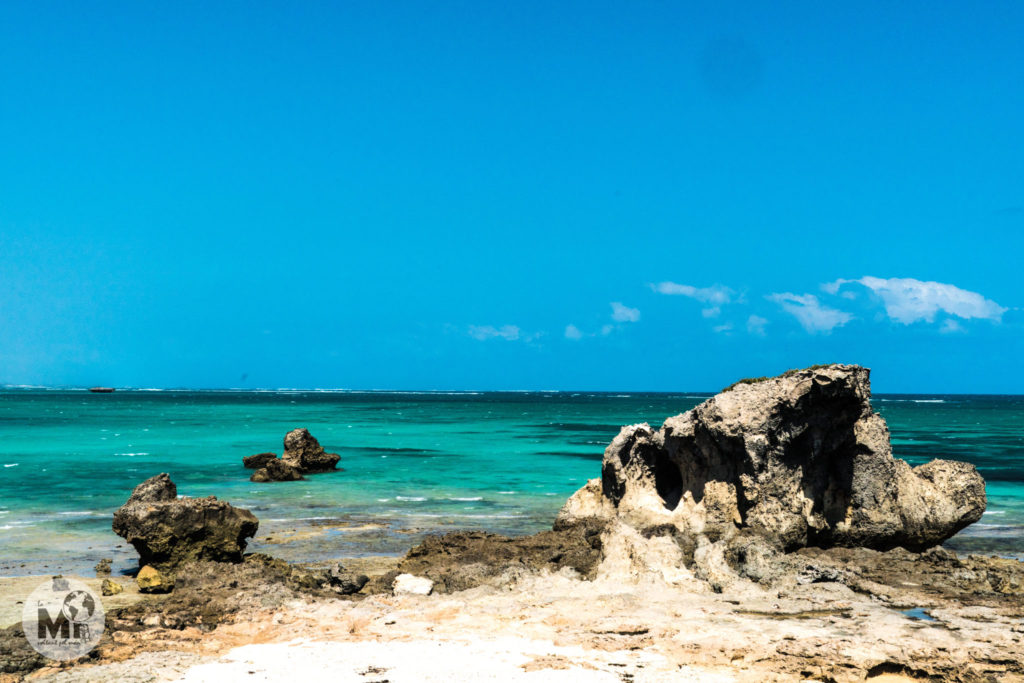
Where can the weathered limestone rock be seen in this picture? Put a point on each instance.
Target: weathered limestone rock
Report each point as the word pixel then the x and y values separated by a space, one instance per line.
pixel 407 584
pixel 111 587
pixel 303 452
pixel 167 531
pixel 801 459
pixel 150 580
pixel 276 470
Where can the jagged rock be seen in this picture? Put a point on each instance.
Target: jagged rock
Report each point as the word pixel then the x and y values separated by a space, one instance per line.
pixel 407 584
pixel 166 531
pixel 303 452
pixel 344 581
pixel 801 459
pixel 255 462
pixel 110 587
pixel 276 470
pixel 103 566
pixel 150 580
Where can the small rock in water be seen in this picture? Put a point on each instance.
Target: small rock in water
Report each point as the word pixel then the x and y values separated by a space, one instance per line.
pixel 103 566
pixel 407 584
pixel 152 581
pixel 111 587
pixel 255 462
pixel 276 470
pixel 303 452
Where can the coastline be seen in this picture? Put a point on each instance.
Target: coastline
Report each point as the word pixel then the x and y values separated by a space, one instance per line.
pixel 802 550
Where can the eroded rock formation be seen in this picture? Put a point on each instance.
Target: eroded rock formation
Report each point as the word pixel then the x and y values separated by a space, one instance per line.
pixel 303 452
pixel 800 460
pixel 276 469
pixel 167 531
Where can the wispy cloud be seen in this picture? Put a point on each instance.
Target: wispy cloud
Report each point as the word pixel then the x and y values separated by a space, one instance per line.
pixel 950 326
pixel 624 314
pixel 756 325
pixel 908 300
pixel 716 294
pixel 809 312
pixel 573 332
pixel 485 332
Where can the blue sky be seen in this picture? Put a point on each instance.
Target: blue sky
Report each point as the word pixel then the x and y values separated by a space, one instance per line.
pixel 616 196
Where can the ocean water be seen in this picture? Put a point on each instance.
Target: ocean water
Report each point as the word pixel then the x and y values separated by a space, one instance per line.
pixel 414 463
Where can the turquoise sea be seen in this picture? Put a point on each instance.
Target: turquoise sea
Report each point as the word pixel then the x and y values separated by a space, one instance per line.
pixel 414 463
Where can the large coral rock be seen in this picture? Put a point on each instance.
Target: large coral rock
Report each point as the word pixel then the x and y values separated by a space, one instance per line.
pixel 303 452
pixel 167 531
pixel 801 458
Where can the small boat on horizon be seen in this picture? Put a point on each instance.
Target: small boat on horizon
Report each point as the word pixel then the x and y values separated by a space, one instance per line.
pixel 101 390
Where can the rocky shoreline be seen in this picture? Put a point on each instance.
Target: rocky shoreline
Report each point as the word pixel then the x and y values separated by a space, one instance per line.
pixel 768 534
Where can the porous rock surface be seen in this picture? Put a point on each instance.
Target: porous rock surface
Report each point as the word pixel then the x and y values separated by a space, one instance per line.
pixel 167 531
pixel 276 469
pixel 303 452
pixel 797 460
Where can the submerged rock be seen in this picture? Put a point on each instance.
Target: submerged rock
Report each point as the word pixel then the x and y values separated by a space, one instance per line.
pixel 167 531
pixel 255 462
pixel 303 452
pixel 276 470
pixel 801 459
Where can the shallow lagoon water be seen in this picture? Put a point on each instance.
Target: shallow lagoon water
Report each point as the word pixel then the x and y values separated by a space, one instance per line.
pixel 414 463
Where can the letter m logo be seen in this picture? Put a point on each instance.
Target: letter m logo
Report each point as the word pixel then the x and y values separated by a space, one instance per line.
pixel 49 627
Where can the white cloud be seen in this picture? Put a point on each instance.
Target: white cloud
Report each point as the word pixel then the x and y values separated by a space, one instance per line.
pixel 716 294
pixel 624 314
pixel 573 332
pixel 607 329
pixel 727 327
pixel 755 325
pixel 812 315
pixel 711 312
pixel 908 300
pixel 485 332
pixel 950 326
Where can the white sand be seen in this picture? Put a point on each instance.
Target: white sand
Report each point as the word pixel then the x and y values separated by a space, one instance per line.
pixel 441 661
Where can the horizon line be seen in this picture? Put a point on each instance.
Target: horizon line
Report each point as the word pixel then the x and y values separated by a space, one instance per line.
pixel 340 390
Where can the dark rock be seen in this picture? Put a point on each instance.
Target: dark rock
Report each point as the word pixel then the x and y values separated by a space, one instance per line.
pixel 344 581
pixel 16 655
pixel 276 470
pixel 103 566
pixel 166 531
pixel 255 462
pixel 465 559
pixel 303 452
pixel 801 458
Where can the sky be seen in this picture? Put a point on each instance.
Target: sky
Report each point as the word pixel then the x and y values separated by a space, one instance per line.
pixel 635 196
